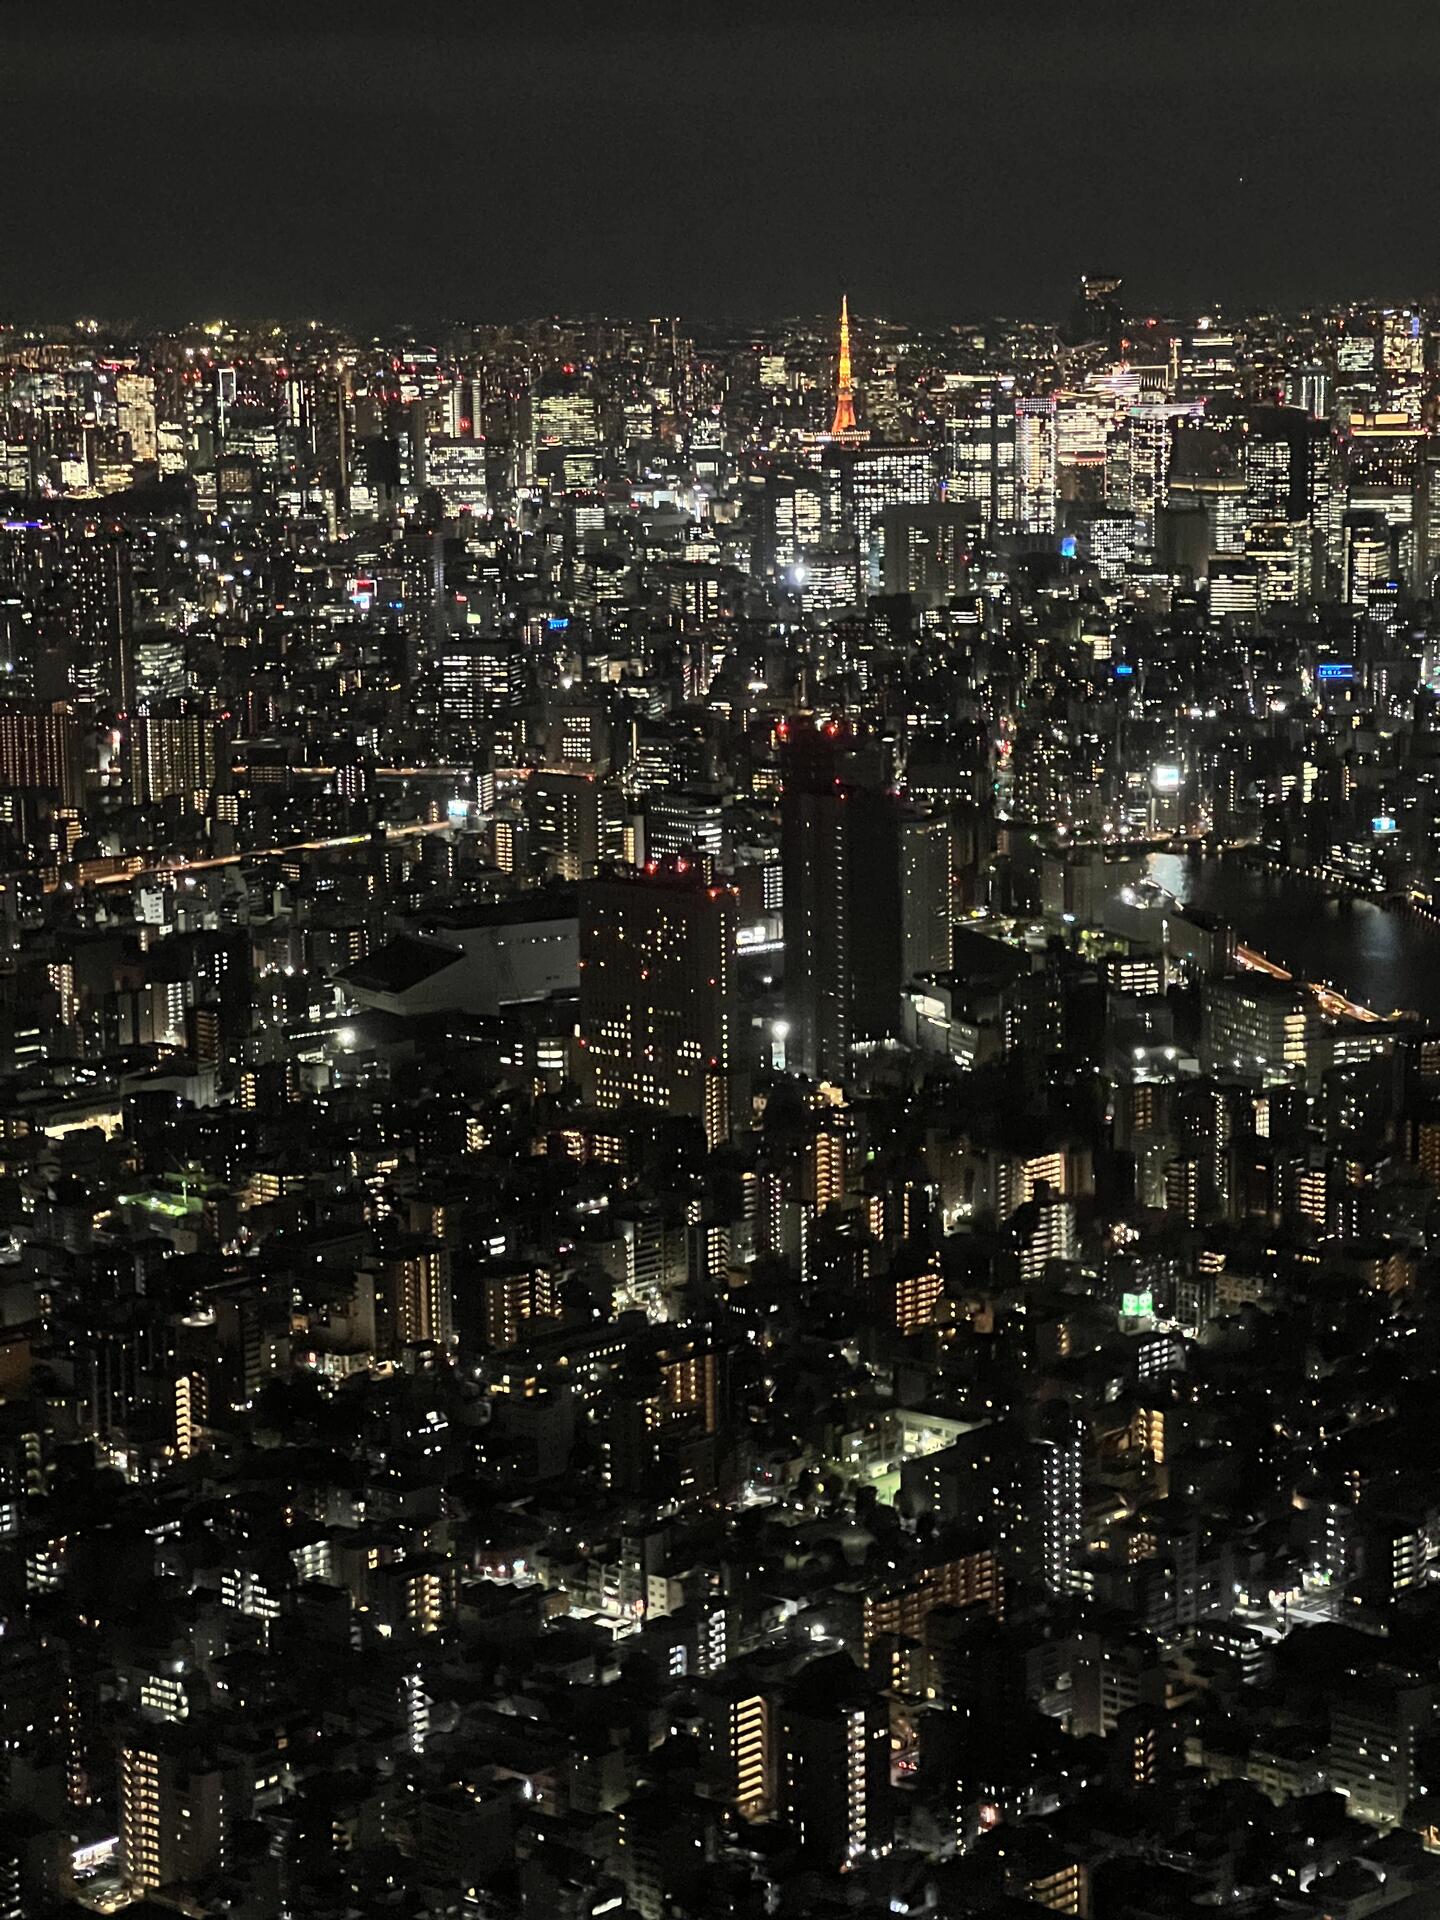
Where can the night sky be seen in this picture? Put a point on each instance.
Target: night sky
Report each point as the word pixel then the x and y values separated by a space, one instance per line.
pixel 487 161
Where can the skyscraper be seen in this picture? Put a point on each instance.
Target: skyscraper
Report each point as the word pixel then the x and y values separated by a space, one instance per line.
pixel 1095 316
pixel 566 440
pixel 980 458
pixel 872 479
pixel 815 860
pixel 656 959
pixel 1035 449
pixel 135 407
pixel 927 861
pixel 866 895
pixel 99 616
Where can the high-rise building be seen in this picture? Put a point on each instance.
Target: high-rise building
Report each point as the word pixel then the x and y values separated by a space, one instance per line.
pixel 927 865
pixel 565 430
pixel 866 888
pixel 1084 422
pixel 793 519
pixel 1035 464
pixel 479 677
pixel 41 751
pixel 1382 460
pixel 1402 343
pixel 574 823
pixel 1146 441
pixel 513 1295
pixel 1095 316
pixel 656 962
pixel 1367 555
pixel 99 615
pixel 415 1285
pixel 1054 1508
pixel 135 406
pixel 815 857
pixel 1427 522
pixel 172 1810
pixel 1109 539
pixel 171 754
pixel 872 479
pixel 1309 388
pixel 834 1764
pixel 1256 1027
pixel 1234 588
pixel 30 1854
pixel 867 883
pixel 680 821
pixel 979 458
pixel 1285 462
pixel 926 549
pixel 737 1731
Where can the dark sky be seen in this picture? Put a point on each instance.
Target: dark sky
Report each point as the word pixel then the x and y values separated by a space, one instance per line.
pixel 492 160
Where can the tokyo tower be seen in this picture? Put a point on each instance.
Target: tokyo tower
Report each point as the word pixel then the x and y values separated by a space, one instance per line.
pixel 844 421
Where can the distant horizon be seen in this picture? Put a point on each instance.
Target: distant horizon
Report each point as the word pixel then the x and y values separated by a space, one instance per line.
pixel 819 318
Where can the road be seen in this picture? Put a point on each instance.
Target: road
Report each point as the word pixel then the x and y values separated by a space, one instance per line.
pixel 1328 999
pixel 166 868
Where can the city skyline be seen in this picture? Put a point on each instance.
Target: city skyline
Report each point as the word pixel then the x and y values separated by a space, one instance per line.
pixel 719 1039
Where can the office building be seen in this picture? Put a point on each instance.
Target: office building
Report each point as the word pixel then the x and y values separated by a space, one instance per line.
pixel 656 984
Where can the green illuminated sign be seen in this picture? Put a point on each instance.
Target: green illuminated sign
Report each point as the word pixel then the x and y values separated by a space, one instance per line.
pixel 171 1205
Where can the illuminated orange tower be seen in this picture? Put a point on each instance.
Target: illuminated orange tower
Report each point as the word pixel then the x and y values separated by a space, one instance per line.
pixel 844 421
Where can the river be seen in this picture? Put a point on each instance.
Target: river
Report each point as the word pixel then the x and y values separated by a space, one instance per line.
pixel 1386 958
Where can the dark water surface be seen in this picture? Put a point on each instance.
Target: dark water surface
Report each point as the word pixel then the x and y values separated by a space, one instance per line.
pixel 1386 958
